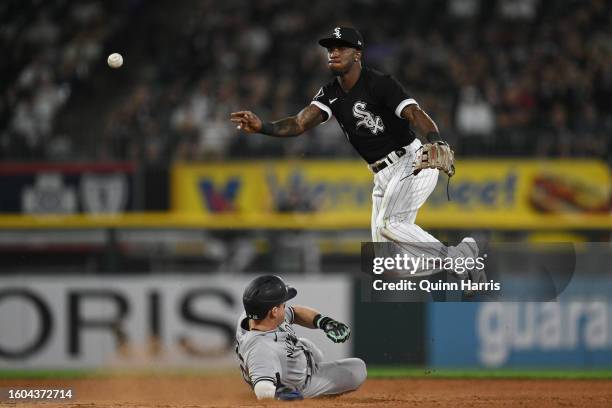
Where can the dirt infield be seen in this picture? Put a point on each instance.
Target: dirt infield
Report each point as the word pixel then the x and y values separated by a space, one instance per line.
pixel 230 391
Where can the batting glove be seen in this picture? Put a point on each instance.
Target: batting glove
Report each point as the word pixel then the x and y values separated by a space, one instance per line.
pixel 336 331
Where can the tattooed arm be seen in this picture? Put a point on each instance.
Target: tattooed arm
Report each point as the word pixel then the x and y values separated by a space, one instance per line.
pixel 422 122
pixel 308 118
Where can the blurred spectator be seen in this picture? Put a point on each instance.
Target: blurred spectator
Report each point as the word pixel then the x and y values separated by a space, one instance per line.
pixel 592 133
pixel 26 127
pixel 518 9
pixel 463 8
pixel 474 116
pixel 215 137
pixel 43 31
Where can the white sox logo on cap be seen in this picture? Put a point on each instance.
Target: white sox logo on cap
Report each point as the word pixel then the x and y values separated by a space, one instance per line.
pixel 346 36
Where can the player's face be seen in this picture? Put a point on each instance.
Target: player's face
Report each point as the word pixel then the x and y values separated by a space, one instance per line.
pixel 340 59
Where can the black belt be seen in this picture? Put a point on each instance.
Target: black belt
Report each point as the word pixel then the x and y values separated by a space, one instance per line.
pixel 387 160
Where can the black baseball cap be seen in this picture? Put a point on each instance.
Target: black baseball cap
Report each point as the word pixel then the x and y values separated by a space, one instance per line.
pixel 343 36
pixel 263 293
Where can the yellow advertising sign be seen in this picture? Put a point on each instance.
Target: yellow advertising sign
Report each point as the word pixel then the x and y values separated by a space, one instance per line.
pixel 485 188
pixel 524 186
pixel 273 186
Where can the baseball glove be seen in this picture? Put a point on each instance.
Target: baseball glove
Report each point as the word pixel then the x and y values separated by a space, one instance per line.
pixel 437 155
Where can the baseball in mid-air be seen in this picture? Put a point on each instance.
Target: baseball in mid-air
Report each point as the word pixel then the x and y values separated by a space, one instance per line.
pixel 115 60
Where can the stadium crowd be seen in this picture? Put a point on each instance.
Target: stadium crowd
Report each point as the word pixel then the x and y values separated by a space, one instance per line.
pixel 50 47
pixel 504 77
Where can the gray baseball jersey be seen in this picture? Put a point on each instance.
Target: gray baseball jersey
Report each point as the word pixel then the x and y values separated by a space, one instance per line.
pixel 275 355
pixel 286 360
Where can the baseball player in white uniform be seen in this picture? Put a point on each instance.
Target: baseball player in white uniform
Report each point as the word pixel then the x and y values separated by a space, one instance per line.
pixel 377 115
pixel 278 364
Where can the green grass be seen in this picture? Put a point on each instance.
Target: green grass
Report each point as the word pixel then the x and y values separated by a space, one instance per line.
pixel 412 372
pixel 108 373
pixel 373 372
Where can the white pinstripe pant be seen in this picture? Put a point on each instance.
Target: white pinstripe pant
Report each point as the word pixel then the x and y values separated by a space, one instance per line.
pixel 396 199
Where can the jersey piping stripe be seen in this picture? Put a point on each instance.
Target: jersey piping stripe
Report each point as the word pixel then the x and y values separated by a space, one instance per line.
pixel 324 108
pixel 402 105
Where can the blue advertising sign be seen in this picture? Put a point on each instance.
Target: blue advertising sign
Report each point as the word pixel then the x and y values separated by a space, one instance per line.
pixel 574 331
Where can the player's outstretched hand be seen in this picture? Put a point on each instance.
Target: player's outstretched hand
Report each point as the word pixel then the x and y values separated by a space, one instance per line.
pixel 246 121
pixel 336 331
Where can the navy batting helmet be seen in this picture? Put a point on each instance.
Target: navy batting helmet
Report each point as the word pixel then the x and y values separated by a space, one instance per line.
pixel 263 293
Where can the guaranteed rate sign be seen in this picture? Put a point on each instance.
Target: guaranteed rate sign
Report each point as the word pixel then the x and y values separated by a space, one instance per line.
pixel 574 331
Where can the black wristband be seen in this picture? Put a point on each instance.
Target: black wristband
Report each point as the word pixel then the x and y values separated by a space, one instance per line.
pixel 433 137
pixel 266 128
pixel 320 321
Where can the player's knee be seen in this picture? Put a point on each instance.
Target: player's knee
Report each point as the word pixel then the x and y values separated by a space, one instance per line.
pixel 359 372
pixel 388 234
pixel 376 236
pixel 383 234
pixel 362 372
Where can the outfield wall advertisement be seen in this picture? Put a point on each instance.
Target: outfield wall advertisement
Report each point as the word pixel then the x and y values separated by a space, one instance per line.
pixel 281 186
pixel 67 188
pixel 480 188
pixel 575 331
pixel 71 322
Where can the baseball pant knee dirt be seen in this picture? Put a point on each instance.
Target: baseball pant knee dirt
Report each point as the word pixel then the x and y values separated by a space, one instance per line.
pixel 336 377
